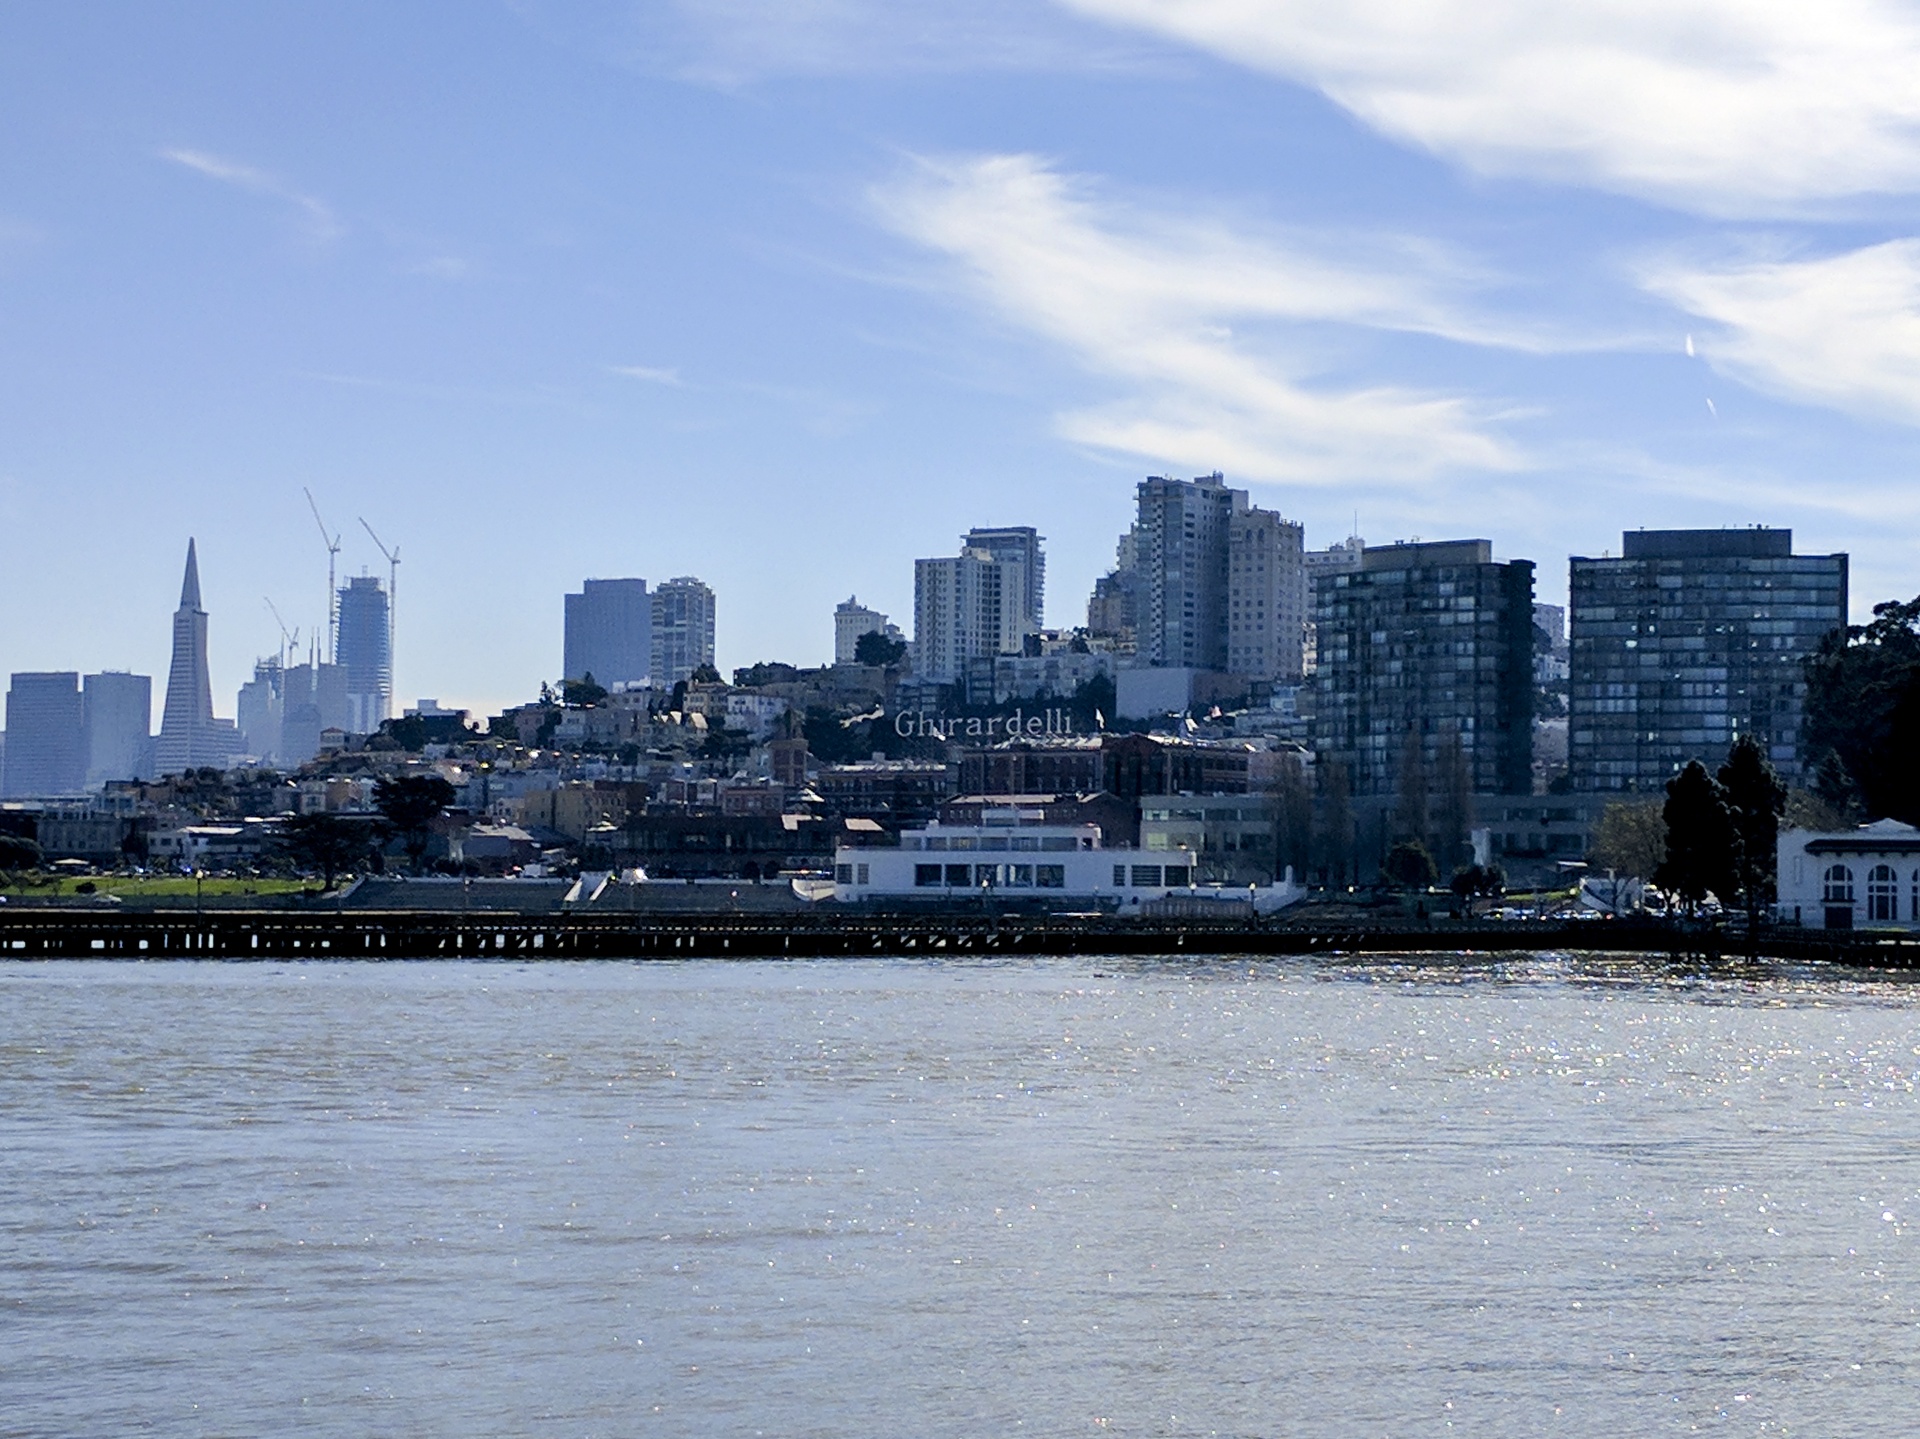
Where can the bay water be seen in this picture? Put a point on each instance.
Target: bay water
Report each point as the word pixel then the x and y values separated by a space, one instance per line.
pixel 1549 1195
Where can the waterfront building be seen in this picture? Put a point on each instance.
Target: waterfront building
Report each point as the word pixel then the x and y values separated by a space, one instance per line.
pixel 975 605
pixel 683 630
pixel 1867 877
pixel 1009 856
pixel 1266 596
pixel 364 649
pixel 117 715
pixel 1420 645
pixel 46 748
pixel 190 736
pixel 609 633
pixel 852 621
pixel 1690 639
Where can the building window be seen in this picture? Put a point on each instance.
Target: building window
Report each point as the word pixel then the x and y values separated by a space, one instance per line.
pixel 1119 875
pixel 1915 912
pixel 1177 874
pixel 843 874
pixel 958 874
pixel 1883 893
pixel 1050 876
pixel 865 874
pixel 1837 885
pixel 1022 876
pixel 926 876
pixel 1146 874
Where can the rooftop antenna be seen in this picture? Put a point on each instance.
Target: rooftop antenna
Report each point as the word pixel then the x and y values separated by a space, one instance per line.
pixel 332 543
pixel 289 639
pixel 393 588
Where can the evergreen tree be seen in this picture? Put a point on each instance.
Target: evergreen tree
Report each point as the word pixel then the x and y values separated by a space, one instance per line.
pixel 1703 842
pixel 1410 866
pixel 1336 823
pixel 1756 800
pixel 1863 714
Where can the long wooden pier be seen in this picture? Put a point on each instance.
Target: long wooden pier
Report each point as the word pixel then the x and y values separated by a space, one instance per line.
pixel 70 933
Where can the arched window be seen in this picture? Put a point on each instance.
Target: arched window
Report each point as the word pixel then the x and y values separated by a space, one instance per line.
pixel 1838 888
pixel 1883 893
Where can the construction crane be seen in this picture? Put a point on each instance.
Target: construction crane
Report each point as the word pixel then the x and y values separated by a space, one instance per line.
pixel 289 638
pixel 332 543
pixel 393 588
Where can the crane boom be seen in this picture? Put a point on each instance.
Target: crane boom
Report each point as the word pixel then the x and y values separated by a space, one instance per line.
pixel 332 542
pixel 393 588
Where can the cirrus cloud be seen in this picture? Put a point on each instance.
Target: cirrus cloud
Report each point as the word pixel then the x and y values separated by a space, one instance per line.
pixel 1718 107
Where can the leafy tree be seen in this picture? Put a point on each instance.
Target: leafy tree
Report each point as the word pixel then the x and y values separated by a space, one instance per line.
pixel 1410 808
pixel 1410 866
pixel 1756 800
pixel 411 803
pixel 765 672
pixel 17 852
pixel 1336 822
pixel 582 692
pixel 705 675
pixel 327 843
pixel 1862 727
pixel 1093 704
pixel 874 648
pixel 1703 841
pixel 1631 837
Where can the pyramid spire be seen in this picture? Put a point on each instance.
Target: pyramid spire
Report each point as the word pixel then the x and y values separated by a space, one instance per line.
pixel 190 585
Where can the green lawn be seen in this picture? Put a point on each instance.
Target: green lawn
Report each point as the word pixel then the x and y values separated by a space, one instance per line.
pixel 139 886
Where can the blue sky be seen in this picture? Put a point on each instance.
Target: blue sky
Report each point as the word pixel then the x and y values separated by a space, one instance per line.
pixel 786 294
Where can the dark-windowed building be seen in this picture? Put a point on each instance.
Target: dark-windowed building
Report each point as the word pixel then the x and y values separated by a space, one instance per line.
pixel 1690 639
pixel 1419 644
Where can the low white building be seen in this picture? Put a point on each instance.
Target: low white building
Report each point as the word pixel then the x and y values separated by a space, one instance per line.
pixel 1011 855
pixel 1868 877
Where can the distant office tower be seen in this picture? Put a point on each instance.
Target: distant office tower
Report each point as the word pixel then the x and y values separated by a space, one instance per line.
pixel 363 648
pixel 609 633
pixel 190 736
pixel 1266 597
pixel 1420 643
pixel 117 717
pixel 1687 641
pixel 978 604
pixel 1017 545
pixel 683 630
pixel 46 751
pixel 853 620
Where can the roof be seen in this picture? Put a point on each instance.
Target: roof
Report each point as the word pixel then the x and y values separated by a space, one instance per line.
pixel 1883 836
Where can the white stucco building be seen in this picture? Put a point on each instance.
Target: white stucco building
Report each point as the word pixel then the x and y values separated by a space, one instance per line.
pixel 1863 878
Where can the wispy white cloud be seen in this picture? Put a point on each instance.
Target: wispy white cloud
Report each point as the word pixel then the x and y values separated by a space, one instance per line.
pixel 734 42
pixel 652 374
pixel 1723 107
pixel 318 217
pixel 1154 304
pixel 1841 331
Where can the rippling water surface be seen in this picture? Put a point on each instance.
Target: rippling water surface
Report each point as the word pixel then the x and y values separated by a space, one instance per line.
pixel 888 1198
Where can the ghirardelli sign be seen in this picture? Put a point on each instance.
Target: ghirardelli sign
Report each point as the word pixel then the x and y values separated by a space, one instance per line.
pixel 923 724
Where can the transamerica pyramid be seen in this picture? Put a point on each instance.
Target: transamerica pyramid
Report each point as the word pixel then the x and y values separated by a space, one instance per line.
pixel 189 734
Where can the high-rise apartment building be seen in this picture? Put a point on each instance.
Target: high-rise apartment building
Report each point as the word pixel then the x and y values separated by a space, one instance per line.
pixel 609 633
pixel 117 717
pixel 1182 551
pixel 683 630
pixel 190 736
pixel 1420 643
pixel 1690 639
pixel 1017 546
pixel 975 605
pixel 851 622
pixel 1343 558
pixel 1266 596
pixel 363 647
pixel 46 747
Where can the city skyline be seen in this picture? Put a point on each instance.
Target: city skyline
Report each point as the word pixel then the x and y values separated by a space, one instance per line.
pixel 667 289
